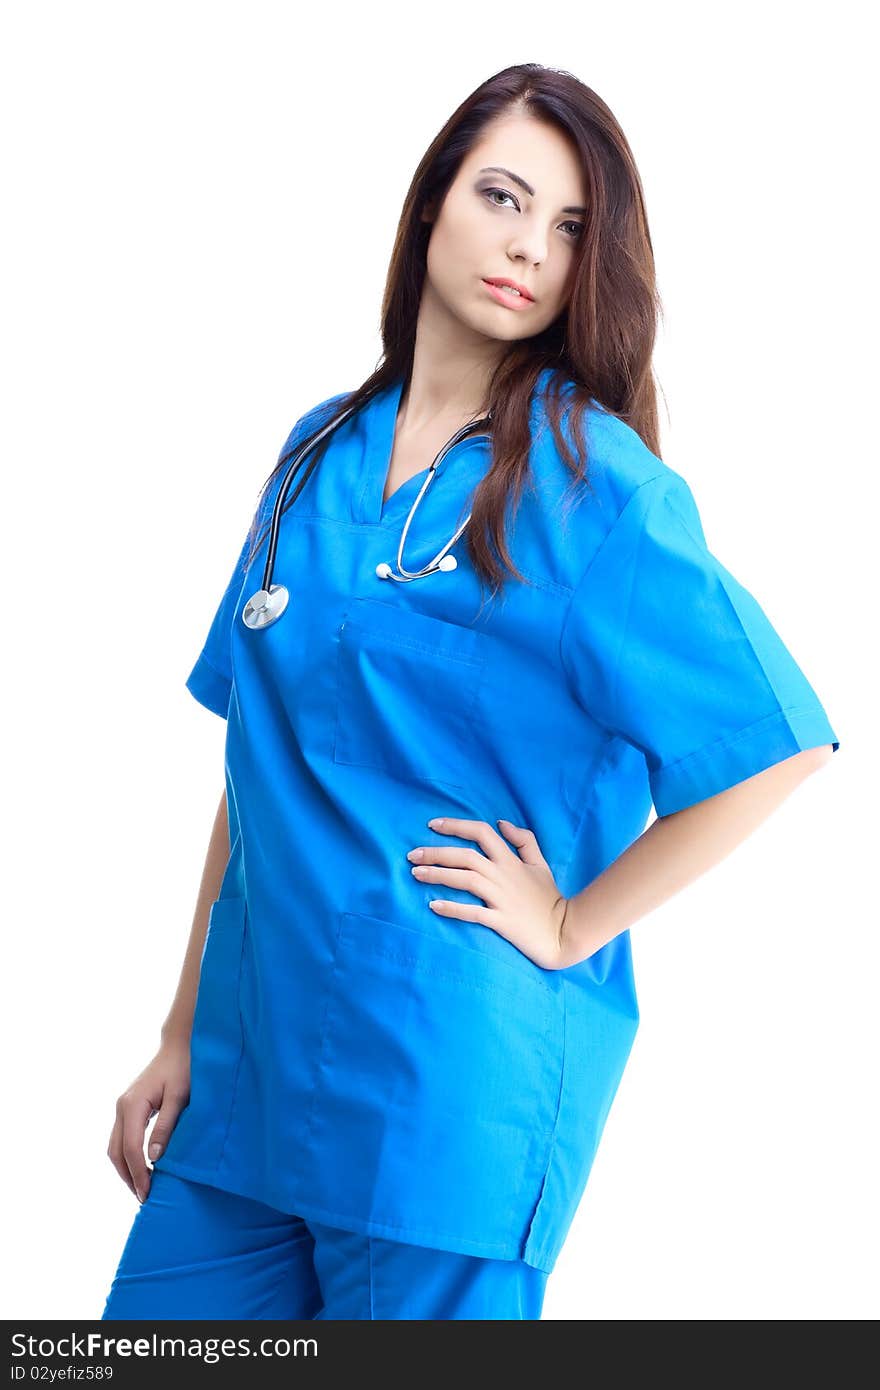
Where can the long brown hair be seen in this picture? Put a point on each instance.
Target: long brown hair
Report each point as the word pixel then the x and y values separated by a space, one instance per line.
pixel 601 345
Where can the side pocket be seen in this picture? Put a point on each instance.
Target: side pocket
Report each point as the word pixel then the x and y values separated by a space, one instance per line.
pixel 199 1136
pixel 440 1068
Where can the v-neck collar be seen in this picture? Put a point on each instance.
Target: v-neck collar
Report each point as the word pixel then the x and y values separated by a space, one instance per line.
pixel 380 421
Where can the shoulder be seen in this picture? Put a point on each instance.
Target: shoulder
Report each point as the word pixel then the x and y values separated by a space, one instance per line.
pixel 623 473
pixel 312 419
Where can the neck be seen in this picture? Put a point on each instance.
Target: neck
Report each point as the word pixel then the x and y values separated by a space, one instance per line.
pixel 450 376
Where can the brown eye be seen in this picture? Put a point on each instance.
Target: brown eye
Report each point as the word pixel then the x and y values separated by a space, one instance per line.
pixel 504 194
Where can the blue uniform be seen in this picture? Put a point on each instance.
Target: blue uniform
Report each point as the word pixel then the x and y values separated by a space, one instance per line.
pixel 195 1251
pixel 358 1059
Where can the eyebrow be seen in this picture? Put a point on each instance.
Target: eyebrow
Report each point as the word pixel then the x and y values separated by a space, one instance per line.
pixel 496 169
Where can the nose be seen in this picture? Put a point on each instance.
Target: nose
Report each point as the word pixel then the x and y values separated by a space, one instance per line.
pixel 529 249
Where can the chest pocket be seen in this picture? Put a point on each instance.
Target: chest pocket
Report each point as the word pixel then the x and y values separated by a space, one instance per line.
pixel 407 694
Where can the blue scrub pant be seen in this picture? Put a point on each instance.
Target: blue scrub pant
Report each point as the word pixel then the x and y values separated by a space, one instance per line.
pixel 197 1252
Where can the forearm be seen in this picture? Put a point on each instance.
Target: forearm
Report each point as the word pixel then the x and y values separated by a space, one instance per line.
pixel 178 1024
pixel 674 851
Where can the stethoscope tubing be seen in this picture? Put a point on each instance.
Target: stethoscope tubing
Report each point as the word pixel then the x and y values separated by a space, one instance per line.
pixel 267 605
pixel 403 574
pixel 293 468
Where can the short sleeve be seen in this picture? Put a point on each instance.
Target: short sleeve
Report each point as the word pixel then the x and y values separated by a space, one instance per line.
pixel 665 648
pixel 210 680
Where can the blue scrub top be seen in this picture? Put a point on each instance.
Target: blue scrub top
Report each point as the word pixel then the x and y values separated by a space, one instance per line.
pixel 357 1058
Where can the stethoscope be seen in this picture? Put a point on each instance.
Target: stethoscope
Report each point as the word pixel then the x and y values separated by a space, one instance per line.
pixel 269 602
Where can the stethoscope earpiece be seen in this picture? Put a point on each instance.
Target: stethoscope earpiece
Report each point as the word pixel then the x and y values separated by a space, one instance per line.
pixel 448 562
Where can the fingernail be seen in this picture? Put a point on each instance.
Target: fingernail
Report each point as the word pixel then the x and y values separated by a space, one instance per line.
pixel 437 821
pixel 155 1150
pixel 416 854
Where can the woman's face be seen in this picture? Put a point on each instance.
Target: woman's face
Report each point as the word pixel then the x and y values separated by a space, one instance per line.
pixel 491 226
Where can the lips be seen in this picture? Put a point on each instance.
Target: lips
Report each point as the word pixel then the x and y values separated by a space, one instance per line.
pixel 513 303
pixel 499 280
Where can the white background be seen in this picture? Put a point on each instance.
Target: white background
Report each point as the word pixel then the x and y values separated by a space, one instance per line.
pixel 204 199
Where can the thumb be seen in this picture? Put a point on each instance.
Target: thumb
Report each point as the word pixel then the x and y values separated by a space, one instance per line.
pixel 165 1122
pixel 524 840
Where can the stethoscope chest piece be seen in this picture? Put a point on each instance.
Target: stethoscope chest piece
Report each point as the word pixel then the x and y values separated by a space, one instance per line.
pixel 263 609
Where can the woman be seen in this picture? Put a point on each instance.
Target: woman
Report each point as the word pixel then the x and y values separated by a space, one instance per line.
pixel 415 996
